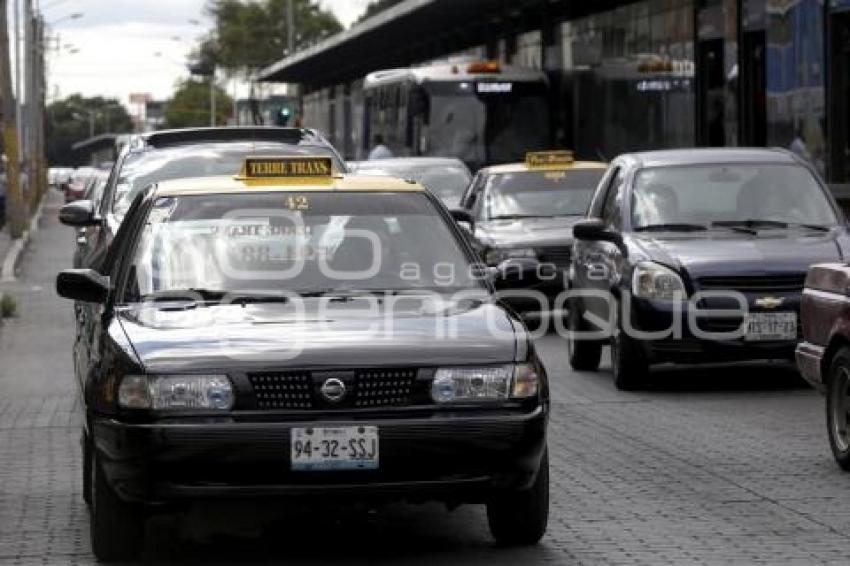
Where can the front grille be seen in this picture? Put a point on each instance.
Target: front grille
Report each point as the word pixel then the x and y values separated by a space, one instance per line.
pixel 384 387
pixel 557 256
pixel 282 390
pixel 365 388
pixel 754 283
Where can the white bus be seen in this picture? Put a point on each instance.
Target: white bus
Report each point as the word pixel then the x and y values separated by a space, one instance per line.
pixel 480 112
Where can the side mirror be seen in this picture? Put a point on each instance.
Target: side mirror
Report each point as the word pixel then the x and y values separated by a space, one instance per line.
pixel 79 213
pixel 462 215
pixel 85 285
pixel 595 230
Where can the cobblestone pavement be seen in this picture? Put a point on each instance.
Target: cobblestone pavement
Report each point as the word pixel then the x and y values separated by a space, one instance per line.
pixel 718 466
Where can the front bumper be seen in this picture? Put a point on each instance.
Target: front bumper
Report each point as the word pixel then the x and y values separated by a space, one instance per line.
pixel 444 456
pixel 692 345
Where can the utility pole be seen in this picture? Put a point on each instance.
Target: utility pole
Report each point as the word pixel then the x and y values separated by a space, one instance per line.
pixel 290 27
pixel 212 97
pixel 15 211
pixel 28 150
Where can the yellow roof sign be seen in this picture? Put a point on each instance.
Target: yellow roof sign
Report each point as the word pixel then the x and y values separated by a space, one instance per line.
pixel 291 168
pixel 549 159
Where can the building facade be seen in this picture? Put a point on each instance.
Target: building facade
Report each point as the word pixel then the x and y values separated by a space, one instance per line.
pixel 625 75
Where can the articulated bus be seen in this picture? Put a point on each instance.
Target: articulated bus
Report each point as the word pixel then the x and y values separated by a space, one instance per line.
pixel 479 112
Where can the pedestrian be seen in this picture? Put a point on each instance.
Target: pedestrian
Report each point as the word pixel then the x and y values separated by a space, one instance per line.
pixel 379 149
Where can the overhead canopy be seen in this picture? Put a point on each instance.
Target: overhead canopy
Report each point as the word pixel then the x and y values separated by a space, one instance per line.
pixel 414 31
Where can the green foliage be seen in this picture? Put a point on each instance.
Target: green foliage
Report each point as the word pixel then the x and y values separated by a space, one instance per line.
pixel 68 122
pixel 376 7
pixel 252 35
pixel 190 105
pixel 8 307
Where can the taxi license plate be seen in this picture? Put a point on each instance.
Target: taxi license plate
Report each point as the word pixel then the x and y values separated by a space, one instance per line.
pixel 334 448
pixel 762 326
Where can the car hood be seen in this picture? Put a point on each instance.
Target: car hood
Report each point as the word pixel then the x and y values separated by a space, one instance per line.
pixel 734 253
pixel 349 335
pixel 529 232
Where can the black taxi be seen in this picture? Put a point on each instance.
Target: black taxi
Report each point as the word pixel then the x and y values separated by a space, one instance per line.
pixel 288 332
pixel 520 215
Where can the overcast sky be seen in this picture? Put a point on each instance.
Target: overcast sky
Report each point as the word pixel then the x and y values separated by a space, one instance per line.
pixel 130 46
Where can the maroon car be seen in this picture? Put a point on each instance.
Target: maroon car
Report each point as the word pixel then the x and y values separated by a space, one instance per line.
pixel 823 355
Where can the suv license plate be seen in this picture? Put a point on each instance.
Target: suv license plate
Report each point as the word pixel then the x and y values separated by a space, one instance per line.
pixel 766 326
pixel 334 448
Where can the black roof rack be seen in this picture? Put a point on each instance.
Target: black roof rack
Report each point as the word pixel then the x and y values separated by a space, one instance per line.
pixel 165 138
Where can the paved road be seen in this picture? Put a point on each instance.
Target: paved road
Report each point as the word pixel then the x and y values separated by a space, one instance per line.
pixel 718 466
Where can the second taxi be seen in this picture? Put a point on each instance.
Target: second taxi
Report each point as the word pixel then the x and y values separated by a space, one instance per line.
pixel 317 336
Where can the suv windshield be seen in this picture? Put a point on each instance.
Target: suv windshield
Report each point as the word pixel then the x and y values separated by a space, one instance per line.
pixel 142 169
pixel 751 196
pixel 540 193
pixel 296 242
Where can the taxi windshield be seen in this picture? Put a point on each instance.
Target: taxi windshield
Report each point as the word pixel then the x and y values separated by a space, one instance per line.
pixel 293 242
pixel 748 196
pixel 142 169
pixel 540 193
pixel 445 180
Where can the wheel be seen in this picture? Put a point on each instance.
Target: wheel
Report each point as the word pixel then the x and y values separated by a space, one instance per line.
pixel 838 407
pixel 520 518
pixel 117 528
pixel 87 463
pixel 584 355
pixel 628 363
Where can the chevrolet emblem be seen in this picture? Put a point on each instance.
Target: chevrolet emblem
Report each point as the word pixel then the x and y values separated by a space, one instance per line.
pixel 769 302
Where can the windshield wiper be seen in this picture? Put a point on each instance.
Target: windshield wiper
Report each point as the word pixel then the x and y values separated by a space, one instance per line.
pixel 215 296
pixel 752 224
pixel 671 227
pixel 514 216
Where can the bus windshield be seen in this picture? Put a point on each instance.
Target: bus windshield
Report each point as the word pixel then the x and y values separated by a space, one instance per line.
pixel 486 122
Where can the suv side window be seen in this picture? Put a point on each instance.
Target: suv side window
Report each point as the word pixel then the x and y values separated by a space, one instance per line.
pixel 473 195
pixel 595 208
pixel 613 205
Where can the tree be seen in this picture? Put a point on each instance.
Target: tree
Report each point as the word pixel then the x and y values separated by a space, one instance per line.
pixel 251 35
pixel 190 105
pixel 376 7
pixel 76 118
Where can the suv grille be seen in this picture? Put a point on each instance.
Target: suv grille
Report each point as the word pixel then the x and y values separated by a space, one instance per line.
pixel 365 388
pixel 754 283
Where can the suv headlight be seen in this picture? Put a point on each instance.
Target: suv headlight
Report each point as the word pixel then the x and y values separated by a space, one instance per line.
pixel 176 392
pixel 495 256
pixel 655 281
pixel 490 383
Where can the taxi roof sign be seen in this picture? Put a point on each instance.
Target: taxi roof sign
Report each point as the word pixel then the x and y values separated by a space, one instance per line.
pixel 291 168
pixel 549 159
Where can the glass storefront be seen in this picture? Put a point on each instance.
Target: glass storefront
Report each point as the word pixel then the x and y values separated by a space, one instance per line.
pixel 629 78
pixel 796 103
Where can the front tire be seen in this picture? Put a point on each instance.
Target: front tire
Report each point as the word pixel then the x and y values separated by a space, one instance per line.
pixel 117 528
pixel 628 363
pixel 520 518
pixel 838 408
pixel 584 355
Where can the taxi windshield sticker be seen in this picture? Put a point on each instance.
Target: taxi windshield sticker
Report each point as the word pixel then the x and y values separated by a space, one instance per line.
pixel 549 159
pixel 305 168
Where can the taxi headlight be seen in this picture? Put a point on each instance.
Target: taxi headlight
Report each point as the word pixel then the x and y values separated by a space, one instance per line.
pixel 176 392
pixel 655 281
pixel 493 383
pixel 495 256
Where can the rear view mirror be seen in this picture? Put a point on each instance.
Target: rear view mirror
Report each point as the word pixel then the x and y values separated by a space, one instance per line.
pixel 85 285
pixel 79 213
pixel 595 230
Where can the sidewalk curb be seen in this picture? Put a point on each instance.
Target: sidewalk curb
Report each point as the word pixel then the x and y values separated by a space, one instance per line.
pixel 15 253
